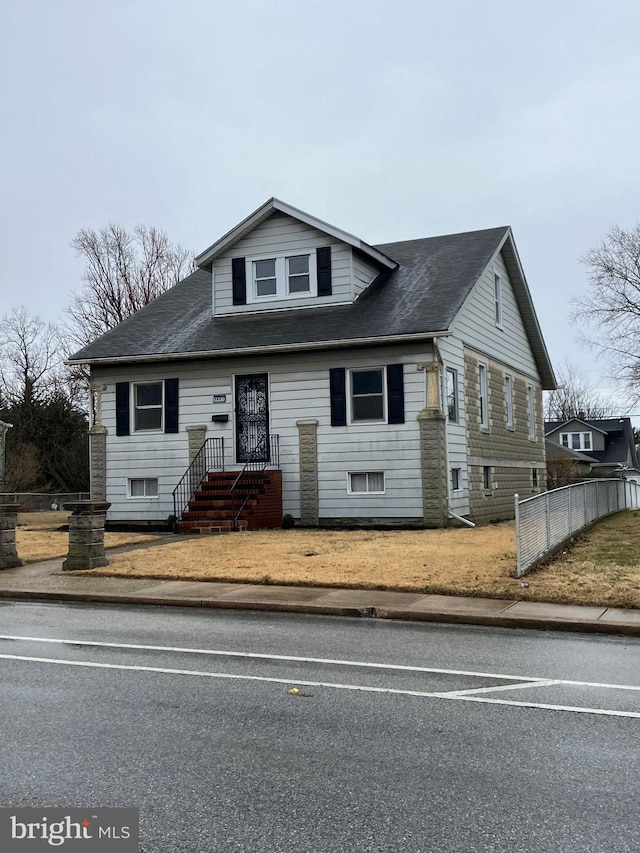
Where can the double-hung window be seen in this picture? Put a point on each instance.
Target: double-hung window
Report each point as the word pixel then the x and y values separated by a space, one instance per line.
pixel 508 398
pixel 148 406
pixel 484 396
pixel 367 395
pixel 279 278
pixel 497 299
pixel 532 412
pixel 452 395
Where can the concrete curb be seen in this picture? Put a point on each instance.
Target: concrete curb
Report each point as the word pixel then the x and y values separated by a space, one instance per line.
pixel 452 616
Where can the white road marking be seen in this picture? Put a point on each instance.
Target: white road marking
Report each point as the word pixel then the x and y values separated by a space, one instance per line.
pixel 332 661
pixel 334 686
pixel 502 687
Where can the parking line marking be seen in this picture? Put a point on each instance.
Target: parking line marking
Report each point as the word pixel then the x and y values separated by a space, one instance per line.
pixel 334 686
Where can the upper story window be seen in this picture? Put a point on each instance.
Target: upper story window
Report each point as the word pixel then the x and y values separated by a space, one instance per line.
pixel 576 440
pixel 484 396
pixel 148 406
pixel 452 395
pixel 367 395
pixel 298 277
pixel 279 278
pixel 264 277
pixel 497 296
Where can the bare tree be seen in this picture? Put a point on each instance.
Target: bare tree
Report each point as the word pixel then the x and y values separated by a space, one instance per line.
pixel 574 398
pixel 30 358
pixel 123 273
pixel 612 305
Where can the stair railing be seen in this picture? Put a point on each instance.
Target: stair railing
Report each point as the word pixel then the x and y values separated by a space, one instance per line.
pixel 250 476
pixel 210 457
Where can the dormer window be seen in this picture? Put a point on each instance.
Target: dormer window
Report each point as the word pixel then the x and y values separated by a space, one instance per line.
pixel 298 279
pixel 283 277
pixel 264 276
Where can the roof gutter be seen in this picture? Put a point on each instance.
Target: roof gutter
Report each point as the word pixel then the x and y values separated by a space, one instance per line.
pixel 300 347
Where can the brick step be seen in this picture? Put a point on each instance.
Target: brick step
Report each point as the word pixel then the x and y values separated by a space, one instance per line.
pixel 212 494
pixel 210 526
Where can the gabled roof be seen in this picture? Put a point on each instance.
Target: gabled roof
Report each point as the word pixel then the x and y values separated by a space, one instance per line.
pixel 553 426
pixel 206 258
pixel 420 289
pixel 557 451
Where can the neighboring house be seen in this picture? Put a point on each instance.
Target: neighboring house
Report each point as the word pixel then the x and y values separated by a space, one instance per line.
pixel 393 384
pixel 608 442
pixel 565 466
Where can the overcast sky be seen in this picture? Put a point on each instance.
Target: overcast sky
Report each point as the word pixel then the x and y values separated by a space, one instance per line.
pixel 391 120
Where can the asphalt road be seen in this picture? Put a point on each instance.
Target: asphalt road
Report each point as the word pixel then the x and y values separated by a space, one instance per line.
pixel 402 737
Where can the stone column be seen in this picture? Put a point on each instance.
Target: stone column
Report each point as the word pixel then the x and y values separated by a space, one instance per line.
pixel 98 462
pixel 3 456
pixel 433 453
pixel 86 535
pixel 308 453
pixel 8 553
pixel 197 434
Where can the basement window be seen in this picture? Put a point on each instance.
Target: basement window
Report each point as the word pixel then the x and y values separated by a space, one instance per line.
pixel 142 487
pixel 365 483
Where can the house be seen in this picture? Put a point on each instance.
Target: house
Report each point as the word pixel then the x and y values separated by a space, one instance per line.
pixel 398 384
pixel 608 442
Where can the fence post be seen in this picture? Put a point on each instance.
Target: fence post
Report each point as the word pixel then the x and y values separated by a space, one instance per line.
pixel 516 499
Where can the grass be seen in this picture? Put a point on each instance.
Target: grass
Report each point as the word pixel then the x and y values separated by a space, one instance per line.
pixel 39 537
pixel 601 567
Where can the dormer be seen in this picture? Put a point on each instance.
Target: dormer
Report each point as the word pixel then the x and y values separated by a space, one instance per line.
pixel 282 258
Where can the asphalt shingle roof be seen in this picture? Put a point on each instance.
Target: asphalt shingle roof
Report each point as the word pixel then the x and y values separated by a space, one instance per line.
pixel 423 295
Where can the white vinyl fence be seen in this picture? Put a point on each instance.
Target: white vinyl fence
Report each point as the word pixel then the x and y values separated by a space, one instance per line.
pixel 545 521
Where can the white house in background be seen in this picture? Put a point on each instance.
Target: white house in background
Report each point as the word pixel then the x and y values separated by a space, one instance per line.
pixel 395 384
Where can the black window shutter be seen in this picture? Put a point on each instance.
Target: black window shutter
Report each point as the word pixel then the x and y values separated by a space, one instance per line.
pixel 338 390
pixel 395 394
pixel 239 281
pixel 122 408
pixel 323 261
pixel 171 405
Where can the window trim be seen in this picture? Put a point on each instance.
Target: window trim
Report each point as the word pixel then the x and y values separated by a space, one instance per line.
pixel 456 482
pixel 508 399
pixel 282 277
pixel 487 480
pixel 384 394
pixel 135 408
pixel 450 371
pixel 483 396
pixel 497 299
pixel 350 491
pixel 144 497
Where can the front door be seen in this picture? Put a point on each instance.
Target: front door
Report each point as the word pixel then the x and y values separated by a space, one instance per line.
pixel 252 418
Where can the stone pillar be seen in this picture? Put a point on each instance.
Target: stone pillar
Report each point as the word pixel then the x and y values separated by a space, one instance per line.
pixel 98 462
pixel 197 435
pixel 433 453
pixel 86 535
pixel 308 452
pixel 8 553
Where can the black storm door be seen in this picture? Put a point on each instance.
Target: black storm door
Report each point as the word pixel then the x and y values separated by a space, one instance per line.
pixel 252 418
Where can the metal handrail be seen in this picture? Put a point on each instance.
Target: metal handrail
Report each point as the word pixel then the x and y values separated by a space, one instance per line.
pixel 248 476
pixel 210 457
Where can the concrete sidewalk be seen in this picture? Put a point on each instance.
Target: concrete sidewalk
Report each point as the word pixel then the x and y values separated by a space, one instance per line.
pixel 46 580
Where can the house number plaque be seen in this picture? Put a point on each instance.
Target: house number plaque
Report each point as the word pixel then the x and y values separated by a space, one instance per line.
pixel 219 398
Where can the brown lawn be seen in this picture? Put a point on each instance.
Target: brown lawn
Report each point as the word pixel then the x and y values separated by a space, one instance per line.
pixel 39 537
pixel 602 567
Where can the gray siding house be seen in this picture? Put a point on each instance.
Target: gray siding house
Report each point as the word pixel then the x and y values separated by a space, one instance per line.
pixel 396 384
pixel 609 442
